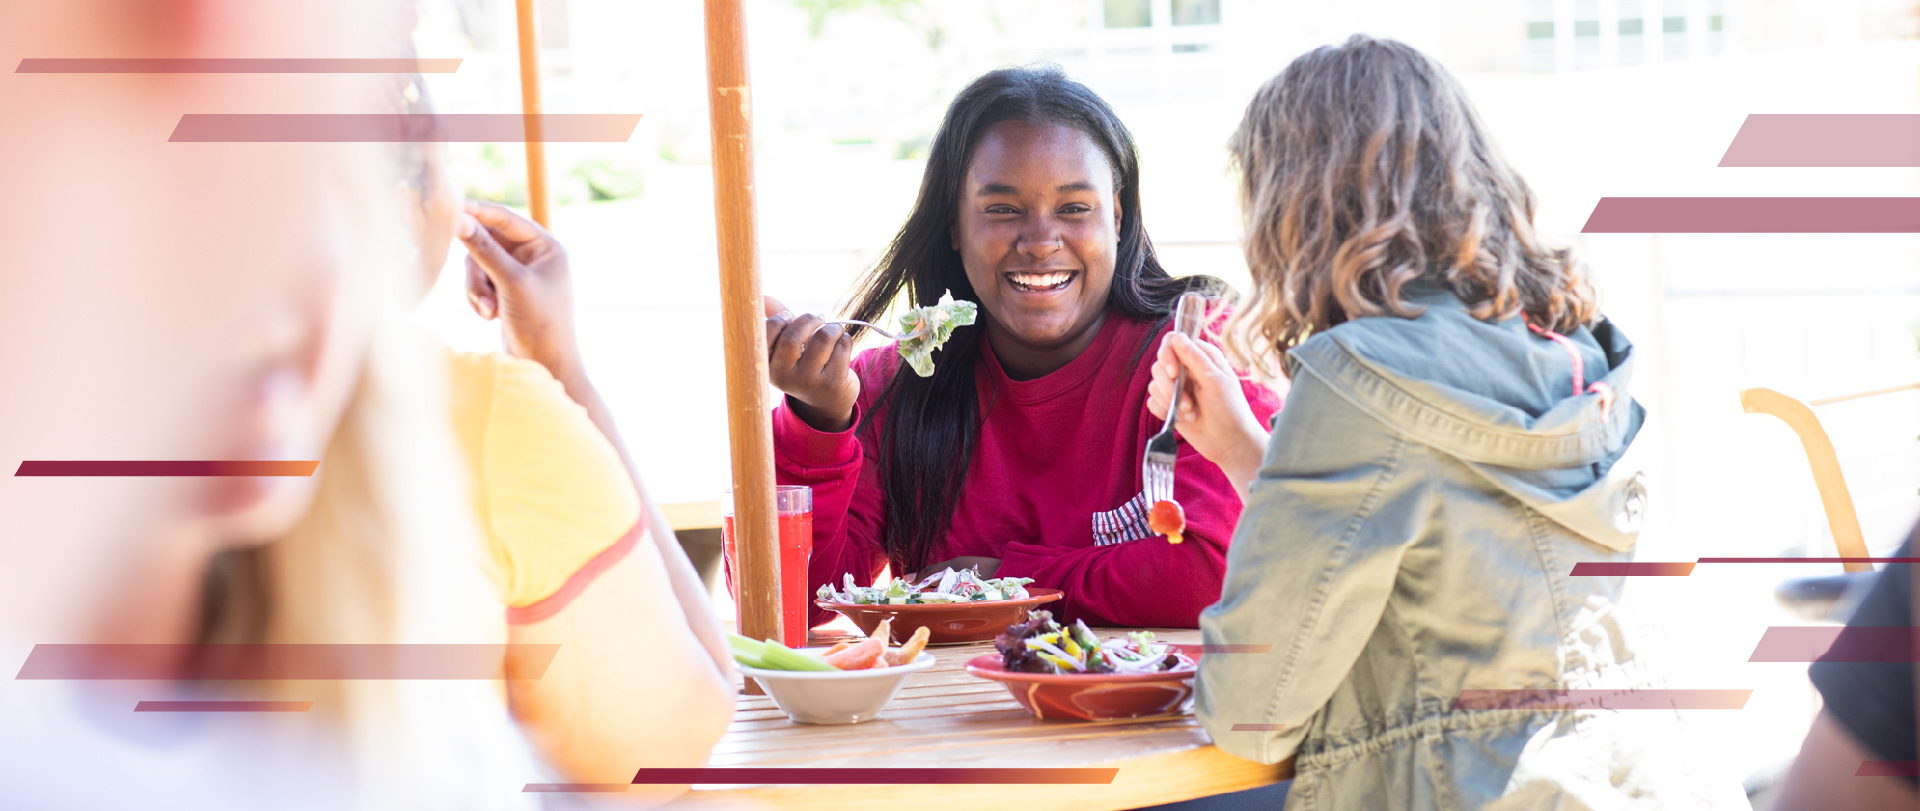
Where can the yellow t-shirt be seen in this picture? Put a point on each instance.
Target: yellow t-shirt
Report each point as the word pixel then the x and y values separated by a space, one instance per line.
pixel 552 495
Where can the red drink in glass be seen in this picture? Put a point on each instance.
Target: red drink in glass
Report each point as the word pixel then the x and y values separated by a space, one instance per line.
pixel 794 504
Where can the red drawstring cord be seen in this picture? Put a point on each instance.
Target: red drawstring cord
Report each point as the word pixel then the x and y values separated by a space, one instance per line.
pixel 1579 370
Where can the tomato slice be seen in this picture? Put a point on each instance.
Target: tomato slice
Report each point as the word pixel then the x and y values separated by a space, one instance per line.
pixel 1166 518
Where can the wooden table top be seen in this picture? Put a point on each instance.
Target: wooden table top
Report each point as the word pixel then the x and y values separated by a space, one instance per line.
pixel 947 718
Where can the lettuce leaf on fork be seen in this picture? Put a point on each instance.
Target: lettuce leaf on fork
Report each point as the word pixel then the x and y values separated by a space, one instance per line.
pixel 940 319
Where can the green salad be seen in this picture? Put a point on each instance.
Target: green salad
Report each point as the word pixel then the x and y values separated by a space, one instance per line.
pixel 949 586
pixel 939 320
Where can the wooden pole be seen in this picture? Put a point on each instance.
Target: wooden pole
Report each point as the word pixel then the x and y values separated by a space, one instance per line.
pixel 530 111
pixel 742 323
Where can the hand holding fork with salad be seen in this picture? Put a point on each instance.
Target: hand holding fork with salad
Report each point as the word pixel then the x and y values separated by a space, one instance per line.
pixel 1214 416
pixel 810 358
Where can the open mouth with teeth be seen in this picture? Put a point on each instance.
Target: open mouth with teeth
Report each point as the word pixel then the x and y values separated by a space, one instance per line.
pixel 1046 281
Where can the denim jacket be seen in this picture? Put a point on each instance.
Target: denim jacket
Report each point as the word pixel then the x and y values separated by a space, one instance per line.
pixel 1427 491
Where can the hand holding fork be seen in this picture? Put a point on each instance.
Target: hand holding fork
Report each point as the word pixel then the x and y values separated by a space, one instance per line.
pixel 1213 415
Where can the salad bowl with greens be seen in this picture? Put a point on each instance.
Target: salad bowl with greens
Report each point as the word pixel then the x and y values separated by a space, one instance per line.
pixel 1067 672
pixel 949 586
pixel 956 606
pixel 1041 645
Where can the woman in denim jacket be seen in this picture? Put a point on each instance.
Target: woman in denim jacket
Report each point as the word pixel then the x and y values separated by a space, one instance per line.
pixel 1452 447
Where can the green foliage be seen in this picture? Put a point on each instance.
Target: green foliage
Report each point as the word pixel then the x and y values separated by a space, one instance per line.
pixel 914 148
pixel 497 178
pixel 819 11
pixel 609 180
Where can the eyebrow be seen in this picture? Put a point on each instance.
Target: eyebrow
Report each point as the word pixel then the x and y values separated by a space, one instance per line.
pixel 992 189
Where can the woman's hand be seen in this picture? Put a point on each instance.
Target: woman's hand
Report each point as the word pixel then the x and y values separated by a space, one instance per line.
pixel 517 272
pixel 985 567
pixel 1214 416
pixel 810 360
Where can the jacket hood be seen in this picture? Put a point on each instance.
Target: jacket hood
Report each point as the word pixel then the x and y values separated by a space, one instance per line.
pixel 1502 400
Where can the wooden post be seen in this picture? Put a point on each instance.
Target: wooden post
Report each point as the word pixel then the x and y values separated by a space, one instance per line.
pixel 530 111
pixel 742 323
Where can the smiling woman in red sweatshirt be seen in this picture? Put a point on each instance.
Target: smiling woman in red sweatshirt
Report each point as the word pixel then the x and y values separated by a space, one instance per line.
pixel 1021 454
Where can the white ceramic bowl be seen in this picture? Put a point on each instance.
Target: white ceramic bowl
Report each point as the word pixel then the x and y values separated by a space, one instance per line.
pixel 837 697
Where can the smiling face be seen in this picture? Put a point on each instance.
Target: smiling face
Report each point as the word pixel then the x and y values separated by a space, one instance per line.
pixel 1037 230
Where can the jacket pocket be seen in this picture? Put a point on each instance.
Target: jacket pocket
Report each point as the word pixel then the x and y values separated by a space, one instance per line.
pixel 1125 523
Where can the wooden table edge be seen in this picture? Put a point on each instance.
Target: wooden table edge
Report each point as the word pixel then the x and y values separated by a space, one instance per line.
pixel 1201 771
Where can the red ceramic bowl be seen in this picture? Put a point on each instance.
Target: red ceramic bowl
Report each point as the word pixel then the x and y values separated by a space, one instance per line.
pixel 1093 696
pixel 946 623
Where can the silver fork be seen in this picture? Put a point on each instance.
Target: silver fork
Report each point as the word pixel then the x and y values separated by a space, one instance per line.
pixel 921 330
pixel 1156 471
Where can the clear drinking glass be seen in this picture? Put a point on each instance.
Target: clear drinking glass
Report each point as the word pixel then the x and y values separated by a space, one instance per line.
pixel 794 505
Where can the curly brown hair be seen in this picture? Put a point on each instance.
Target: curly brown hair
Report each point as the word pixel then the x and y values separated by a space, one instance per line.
pixel 1363 167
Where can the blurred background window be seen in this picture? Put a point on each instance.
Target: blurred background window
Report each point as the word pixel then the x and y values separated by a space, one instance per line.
pixel 1673 29
pixel 1541 50
pixel 1129 13
pixel 1632 33
pixel 1196 12
pixel 1586 34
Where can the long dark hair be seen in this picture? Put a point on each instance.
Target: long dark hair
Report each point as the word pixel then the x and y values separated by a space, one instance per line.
pixel 932 422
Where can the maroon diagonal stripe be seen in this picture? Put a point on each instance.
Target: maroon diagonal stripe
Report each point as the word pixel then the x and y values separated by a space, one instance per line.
pixel 1755 215
pixel 1627 699
pixel 275 662
pixel 1888 768
pixel 163 467
pixel 237 66
pixel 842 777
pixel 399 127
pixel 223 706
pixel 1832 643
pixel 1810 560
pixel 1591 568
pixel 1884 141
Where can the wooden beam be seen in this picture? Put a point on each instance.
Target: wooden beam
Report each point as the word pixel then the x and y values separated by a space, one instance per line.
pixel 742 322
pixel 529 26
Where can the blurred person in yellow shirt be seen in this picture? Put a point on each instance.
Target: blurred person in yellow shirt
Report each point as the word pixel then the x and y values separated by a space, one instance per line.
pixel 229 302
pixel 579 554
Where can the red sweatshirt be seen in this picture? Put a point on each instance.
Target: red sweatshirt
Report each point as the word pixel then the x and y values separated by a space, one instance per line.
pixel 1053 491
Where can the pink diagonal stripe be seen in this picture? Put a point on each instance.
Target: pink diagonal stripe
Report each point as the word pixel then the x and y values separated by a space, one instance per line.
pixel 399 127
pixel 576 788
pixel 1888 768
pixel 223 706
pixel 1884 141
pixel 274 662
pixel 1833 643
pixel 710 775
pixel 237 66
pixel 1755 215
pixel 163 467
pixel 1594 568
pixel 1629 699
